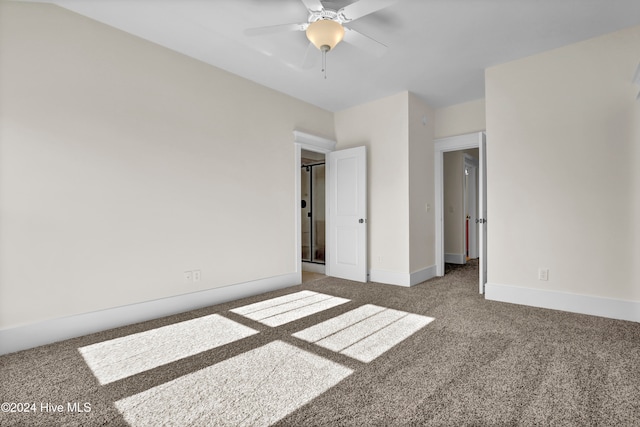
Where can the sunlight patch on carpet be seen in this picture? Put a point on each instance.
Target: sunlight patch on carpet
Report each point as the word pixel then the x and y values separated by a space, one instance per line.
pixel 278 311
pixel 132 354
pixel 366 332
pixel 256 388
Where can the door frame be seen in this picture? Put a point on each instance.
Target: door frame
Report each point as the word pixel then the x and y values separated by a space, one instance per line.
pixel 306 141
pixel 442 145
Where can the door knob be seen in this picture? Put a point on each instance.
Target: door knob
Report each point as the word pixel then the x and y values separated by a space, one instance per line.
pixel 361 220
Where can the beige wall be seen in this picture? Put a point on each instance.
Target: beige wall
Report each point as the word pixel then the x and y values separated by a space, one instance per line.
pixel 421 185
pixel 124 164
pixel 398 133
pixel 382 127
pixel 635 189
pixel 453 199
pixel 460 119
pixel 563 176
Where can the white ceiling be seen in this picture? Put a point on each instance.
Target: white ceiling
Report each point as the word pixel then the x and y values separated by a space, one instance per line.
pixel 437 49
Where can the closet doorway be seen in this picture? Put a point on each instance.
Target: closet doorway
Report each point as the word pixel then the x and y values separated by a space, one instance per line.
pixel 312 211
pixel 345 223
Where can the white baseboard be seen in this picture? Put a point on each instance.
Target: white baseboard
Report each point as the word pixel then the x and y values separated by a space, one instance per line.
pixel 423 275
pixel 46 332
pixel 575 303
pixel 455 258
pixel 390 277
pixel 402 279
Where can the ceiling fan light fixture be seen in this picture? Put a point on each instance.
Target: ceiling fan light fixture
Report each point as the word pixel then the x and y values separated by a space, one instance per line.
pixel 325 34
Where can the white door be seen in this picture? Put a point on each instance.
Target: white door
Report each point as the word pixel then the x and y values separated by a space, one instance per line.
pixel 347 205
pixel 482 210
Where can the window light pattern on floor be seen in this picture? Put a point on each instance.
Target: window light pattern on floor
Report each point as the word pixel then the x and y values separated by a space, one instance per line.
pixel 366 332
pixel 278 311
pixel 132 354
pixel 256 388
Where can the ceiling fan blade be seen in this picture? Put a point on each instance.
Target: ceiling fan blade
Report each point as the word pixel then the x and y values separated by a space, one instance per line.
pixel 310 57
pixel 362 8
pixel 313 5
pixel 364 42
pixel 273 29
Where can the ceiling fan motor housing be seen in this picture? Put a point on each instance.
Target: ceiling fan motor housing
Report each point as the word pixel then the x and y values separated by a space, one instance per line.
pixel 326 14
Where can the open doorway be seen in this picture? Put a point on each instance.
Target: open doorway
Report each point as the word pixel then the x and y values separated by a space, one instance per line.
pixel 453 144
pixel 460 208
pixel 345 209
pixel 309 149
pixel 312 214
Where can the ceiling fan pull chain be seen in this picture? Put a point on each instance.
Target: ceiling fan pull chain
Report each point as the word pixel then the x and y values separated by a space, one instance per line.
pixel 324 62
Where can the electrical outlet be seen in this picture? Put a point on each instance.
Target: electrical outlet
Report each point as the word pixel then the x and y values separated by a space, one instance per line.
pixel 197 274
pixel 543 274
pixel 188 276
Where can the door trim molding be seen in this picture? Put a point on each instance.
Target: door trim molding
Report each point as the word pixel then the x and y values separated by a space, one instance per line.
pixel 317 144
pixel 313 142
pixel 442 145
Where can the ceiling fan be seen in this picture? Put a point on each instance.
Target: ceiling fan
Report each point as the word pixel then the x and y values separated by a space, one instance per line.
pixel 325 27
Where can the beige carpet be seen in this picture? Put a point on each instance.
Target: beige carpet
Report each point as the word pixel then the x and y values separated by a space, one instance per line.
pixel 308 276
pixel 333 352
